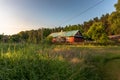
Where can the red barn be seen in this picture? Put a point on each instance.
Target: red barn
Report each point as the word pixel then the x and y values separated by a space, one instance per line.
pixel 68 36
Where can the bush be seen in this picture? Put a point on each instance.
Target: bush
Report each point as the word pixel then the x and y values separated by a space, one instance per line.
pixel 48 40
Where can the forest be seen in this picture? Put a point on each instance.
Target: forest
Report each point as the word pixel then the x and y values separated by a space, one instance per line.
pixel 97 29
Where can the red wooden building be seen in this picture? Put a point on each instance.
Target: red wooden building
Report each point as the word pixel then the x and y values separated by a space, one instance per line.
pixel 68 36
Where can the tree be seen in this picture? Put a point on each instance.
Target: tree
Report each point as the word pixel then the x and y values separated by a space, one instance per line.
pixel 117 6
pixel 24 36
pixel 1 37
pixel 114 20
pixel 87 25
pixel 46 32
pixel 15 38
pixel 96 19
pixel 97 32
pixel 103 38
pixel 104 20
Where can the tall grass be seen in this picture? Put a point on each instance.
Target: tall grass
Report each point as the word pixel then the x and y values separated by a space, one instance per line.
pixel 54 62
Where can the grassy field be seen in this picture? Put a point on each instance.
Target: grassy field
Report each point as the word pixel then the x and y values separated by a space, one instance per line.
pixel 59 62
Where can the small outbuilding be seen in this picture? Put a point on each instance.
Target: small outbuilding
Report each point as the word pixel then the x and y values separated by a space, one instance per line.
pixel 68 36
pixel 115 37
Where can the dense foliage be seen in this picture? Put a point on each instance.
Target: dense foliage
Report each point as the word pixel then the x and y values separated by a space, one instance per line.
pixel 97 32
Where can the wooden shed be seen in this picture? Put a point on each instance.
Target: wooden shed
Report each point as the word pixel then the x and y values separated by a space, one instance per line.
pixel 115 37
pixel 68 36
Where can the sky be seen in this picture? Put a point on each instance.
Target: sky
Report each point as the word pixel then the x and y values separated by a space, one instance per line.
pixel 21 15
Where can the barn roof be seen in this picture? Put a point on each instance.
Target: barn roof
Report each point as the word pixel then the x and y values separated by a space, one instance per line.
pixel 63 34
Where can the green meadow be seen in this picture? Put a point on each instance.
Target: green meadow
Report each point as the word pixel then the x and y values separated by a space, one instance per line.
pixel 59 62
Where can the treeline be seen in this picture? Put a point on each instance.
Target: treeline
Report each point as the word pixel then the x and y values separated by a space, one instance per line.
pixel 96 29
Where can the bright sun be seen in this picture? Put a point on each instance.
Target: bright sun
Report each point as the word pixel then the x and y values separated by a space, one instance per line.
pixel 9 23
